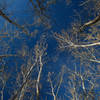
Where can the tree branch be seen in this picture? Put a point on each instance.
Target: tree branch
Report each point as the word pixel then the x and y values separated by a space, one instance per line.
pixel 24 83
pixel 10 21
pixel 38 78
pixel 52 88
pixel 86 45
pixel 90 23
pixel 96 61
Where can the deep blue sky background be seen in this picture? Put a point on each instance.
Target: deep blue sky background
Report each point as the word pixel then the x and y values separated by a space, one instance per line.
pixel 61 16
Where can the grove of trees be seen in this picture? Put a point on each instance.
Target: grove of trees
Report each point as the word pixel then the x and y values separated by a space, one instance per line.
pixel 49 49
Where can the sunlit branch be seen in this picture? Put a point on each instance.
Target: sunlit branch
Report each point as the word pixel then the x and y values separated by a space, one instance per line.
pixel 84 2
pixel 81 46
pixel 3 81
pixel 90 23
pixel 24 82
pixel 39 75
pixel 96 61
pixel 52 88
pixel 22 92
pixel 3 87
pixel 60 81
pixel 17 93
pixel 87 45
pixel 83 86
pixel 55 88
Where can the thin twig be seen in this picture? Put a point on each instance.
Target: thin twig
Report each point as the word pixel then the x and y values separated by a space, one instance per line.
pixel 52 89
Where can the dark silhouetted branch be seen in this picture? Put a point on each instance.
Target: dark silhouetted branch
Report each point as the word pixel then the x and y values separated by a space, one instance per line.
pixel 10 21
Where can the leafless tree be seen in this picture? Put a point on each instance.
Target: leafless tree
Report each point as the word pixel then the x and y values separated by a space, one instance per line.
pixel 26 53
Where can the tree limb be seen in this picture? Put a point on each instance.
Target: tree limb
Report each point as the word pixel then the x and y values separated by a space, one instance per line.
pixel 90 23
pixel 14 97
pixel 10 21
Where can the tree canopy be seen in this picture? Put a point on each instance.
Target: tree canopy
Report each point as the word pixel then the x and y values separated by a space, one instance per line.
pixel 49 50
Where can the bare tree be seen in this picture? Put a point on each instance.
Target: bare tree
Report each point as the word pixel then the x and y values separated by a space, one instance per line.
pixel 26 53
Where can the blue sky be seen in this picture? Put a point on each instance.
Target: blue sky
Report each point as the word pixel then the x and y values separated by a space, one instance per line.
pixel 61 17
pixel 18 11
